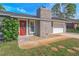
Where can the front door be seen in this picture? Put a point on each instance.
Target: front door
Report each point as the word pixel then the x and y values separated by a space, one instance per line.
pixel 22 27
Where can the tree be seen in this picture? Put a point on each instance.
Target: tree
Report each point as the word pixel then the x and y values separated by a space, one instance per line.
pixel 56 10
pixel 71 10
pixel 64 10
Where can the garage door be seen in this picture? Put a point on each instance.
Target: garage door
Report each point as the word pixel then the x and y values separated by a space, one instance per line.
pixel 58 27
pixel 58 30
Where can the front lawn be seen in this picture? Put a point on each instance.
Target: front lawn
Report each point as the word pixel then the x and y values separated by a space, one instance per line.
pixel 11 48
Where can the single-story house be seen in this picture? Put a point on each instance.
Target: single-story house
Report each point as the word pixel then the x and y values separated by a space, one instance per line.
pixel 42 24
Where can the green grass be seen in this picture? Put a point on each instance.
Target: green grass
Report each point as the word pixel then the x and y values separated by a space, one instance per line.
pixel 11 48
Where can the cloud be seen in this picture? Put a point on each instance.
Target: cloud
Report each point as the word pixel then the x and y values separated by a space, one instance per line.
pixel 21 10
pixel 12 9
pixel 8 8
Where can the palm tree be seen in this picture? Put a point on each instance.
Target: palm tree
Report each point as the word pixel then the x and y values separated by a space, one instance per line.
pixel 64 10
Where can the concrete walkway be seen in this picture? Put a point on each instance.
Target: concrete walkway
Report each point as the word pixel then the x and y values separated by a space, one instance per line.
pixel 71 35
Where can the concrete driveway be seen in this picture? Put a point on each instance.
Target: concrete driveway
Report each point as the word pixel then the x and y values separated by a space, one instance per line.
pixel 71 35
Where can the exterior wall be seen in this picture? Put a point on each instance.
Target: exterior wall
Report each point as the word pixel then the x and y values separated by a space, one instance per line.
pixel 37 27
pixel 45 28
pixel 72 25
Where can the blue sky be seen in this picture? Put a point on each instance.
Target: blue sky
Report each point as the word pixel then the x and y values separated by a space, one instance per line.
pixel 30 8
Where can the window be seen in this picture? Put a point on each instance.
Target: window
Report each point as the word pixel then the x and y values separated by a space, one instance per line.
pixel 31 26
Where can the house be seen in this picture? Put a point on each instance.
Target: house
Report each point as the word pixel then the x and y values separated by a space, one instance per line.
pixel 43 24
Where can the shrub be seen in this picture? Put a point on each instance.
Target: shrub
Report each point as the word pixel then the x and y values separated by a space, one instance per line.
pixel 70 30
pixel 73 30
pixel 10 28
pixel 77 29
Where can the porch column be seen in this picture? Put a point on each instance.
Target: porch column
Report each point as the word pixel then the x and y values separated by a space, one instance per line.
pixel 27 28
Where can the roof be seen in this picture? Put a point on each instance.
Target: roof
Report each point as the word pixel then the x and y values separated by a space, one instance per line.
pixel 15 14
pixel 18 15
pixel 68 21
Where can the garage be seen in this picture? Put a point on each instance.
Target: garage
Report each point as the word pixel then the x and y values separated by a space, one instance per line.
pixel 58 27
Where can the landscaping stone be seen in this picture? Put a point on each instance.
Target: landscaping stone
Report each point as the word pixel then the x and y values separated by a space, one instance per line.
pixel 61 46
pixel 54 49
pixel 70 51
pixel 75 48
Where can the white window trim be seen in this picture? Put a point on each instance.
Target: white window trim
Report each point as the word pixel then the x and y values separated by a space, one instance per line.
pixel 34 27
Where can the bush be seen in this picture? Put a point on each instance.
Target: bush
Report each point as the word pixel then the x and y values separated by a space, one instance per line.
pixel 73 30
pixel 70 30
pixel 77 29
pixel 10 28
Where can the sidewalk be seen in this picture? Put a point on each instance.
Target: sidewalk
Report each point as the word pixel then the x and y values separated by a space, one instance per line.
pixel 71 35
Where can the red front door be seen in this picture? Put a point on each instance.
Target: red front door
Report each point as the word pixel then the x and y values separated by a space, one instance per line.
pixel 22 27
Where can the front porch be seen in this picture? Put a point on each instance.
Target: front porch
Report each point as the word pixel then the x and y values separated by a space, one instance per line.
pixel 27 27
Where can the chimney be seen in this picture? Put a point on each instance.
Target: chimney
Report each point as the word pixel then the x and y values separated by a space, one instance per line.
pixel 44 13
pixel 45 26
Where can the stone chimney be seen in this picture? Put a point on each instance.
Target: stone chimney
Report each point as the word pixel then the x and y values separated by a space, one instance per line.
pixel 45 26
pixel 44 13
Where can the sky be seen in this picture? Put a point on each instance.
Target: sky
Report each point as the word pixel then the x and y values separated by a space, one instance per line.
pixel 31 8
